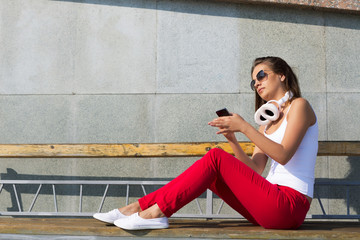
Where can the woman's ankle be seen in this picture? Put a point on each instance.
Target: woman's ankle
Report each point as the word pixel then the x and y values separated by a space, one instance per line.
pixel 152 212
pixel 130 209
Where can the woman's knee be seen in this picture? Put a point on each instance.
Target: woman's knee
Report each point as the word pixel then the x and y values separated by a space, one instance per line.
pixel 215 154
pixel 215 151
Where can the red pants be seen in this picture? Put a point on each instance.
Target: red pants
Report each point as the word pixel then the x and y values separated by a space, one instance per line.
pixel 255 198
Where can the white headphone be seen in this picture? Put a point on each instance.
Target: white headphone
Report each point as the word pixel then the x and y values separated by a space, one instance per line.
pixel 269 112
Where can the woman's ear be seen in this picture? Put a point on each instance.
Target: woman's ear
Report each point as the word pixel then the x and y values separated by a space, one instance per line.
pixel 282 78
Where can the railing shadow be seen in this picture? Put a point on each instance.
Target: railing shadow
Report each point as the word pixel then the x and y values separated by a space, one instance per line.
pixel 353 175
pixel 71 190
pixel 346 189
pixel 136 191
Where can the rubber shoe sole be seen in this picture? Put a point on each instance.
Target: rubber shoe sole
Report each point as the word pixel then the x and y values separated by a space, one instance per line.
pixel 135 222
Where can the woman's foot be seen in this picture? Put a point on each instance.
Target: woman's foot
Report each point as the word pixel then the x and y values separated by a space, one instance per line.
pixel 113 215
pixel 151 218
pixel 109 217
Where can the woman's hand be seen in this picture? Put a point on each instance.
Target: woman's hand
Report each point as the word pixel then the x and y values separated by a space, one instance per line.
pixel 230 136
pixel 229 124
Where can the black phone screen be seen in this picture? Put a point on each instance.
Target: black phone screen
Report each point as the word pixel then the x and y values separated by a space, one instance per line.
pixel 223 112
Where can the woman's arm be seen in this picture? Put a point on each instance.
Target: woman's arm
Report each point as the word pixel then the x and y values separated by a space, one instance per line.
pixel 258 160
pixel 300 118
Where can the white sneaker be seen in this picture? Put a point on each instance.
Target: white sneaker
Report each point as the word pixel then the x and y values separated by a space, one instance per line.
pixel 135 222
pixel 109 217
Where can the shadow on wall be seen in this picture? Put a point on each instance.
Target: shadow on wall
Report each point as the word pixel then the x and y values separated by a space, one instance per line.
pixel 339 192
pixel 353 175
pixel 266 12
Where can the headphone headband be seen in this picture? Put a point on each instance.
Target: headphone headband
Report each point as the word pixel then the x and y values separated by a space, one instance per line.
pixel 287 96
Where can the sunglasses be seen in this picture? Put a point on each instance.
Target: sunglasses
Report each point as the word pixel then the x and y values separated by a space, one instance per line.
pixel 259 76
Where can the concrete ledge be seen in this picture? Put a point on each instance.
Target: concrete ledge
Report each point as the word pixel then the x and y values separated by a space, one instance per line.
pixel 179 228
pixel 334 5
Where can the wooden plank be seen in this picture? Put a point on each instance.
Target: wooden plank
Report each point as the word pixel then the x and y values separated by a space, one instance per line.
pixel 345 148
pixel 209 229
pixel 113 150
pixel 339 148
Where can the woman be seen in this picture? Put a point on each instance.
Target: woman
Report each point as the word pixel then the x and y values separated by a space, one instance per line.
pixel 280 201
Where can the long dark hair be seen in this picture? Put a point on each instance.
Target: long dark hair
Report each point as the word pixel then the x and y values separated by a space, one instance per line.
pixel 278 66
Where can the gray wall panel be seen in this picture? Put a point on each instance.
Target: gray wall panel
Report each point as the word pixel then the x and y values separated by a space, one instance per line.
pixel 116 49
pixel 343 112
pixel 294 35
pixel 114 118
pixel 198 47
pixel 38 45
pixel 342 44
pixel 36 119
pixel 184 118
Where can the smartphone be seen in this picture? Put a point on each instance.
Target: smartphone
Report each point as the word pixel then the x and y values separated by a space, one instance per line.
pixel 223 112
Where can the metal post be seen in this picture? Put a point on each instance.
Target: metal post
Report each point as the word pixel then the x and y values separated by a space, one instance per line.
pixel 209 202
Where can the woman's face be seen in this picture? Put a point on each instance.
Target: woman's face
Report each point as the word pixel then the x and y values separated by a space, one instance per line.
pixel 268 84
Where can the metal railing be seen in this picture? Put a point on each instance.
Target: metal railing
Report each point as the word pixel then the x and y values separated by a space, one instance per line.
pixel 208 213
pixel 346 184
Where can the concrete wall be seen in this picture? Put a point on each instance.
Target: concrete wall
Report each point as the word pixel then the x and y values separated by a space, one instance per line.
pixel 116 71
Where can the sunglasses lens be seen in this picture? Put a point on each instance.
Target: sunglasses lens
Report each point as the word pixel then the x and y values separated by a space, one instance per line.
pixel 252 85
pixel 261 75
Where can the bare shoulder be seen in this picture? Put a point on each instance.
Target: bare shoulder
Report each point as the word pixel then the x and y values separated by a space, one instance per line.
pixel 300 106
pixel 300 100
pixel 301 103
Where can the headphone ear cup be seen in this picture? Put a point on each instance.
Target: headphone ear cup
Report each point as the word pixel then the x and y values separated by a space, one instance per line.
pixel 260 117
pixel 266 113
pixel 271 112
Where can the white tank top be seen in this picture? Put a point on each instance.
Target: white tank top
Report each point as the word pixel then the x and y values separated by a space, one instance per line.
pixel 298 173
